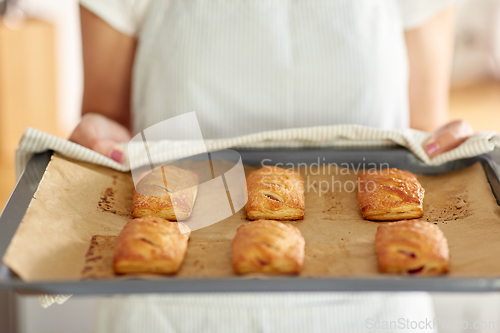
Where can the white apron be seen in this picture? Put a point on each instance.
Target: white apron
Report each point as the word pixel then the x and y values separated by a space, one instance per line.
pixel 267 313
pixel 249 66
pixel 254 65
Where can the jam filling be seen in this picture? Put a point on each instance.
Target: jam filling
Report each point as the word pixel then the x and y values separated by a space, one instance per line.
pixel 416 270
pixel 407 253
pixel 147 241
pixel 262 262
pixel 272 197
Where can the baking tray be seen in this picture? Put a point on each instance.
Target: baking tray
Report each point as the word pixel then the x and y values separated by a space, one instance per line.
pixel 395 157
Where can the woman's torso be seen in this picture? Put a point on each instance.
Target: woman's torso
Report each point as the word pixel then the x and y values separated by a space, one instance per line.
pixel 249 66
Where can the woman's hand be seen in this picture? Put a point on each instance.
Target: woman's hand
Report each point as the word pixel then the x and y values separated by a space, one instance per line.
pixel 448 137
pixel 101 134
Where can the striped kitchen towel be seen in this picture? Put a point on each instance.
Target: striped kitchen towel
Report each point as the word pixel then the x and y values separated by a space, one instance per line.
pixel 34 141
pixel 48 300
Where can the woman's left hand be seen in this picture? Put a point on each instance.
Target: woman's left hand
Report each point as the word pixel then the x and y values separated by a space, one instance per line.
pixel 448 137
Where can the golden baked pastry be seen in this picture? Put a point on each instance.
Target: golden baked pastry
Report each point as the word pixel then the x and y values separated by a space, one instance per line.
pixel 390 195
pixel 410 248
pixel 168 192
pixel 150 245
pixel 275 193
pixel 271 247
pixel 99 258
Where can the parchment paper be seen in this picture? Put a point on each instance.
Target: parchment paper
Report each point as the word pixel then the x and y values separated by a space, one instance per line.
pixel 76 200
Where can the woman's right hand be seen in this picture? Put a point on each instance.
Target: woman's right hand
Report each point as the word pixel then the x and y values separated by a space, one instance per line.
pixel 102 135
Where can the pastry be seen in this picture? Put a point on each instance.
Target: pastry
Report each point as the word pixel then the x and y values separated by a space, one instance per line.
pixel 99 258
pixel 390 195
pixel 276 194
pixel 150 245
pixel 266 246
pixel 168 192
pixel 410 248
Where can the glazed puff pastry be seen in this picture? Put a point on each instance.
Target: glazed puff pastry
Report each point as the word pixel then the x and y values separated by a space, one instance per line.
pixel 150 245
pixel 270 247
pixel 410 248
pixel 168 192
pixel 275 193
pixel 390 195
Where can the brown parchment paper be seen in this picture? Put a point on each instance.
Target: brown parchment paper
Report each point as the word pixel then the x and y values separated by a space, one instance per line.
pixel 77 200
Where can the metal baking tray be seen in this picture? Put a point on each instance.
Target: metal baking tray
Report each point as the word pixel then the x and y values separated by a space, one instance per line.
pixel 395 157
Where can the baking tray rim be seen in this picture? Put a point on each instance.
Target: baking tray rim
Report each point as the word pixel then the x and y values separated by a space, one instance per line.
pixel 21 196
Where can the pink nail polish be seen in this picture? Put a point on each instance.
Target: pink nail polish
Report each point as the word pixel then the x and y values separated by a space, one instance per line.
pixel 432 148
pixel 116 155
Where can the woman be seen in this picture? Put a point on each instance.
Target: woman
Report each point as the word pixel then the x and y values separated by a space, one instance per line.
pixel 249 66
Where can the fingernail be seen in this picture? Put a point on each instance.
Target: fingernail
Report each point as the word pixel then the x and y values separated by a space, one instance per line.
pixel 117 155
pixel 432 148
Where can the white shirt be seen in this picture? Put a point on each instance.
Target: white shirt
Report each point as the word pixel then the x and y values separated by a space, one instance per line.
pixel 253 65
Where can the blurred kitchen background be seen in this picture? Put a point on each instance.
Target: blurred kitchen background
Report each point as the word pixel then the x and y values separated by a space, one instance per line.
pixel 41 86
